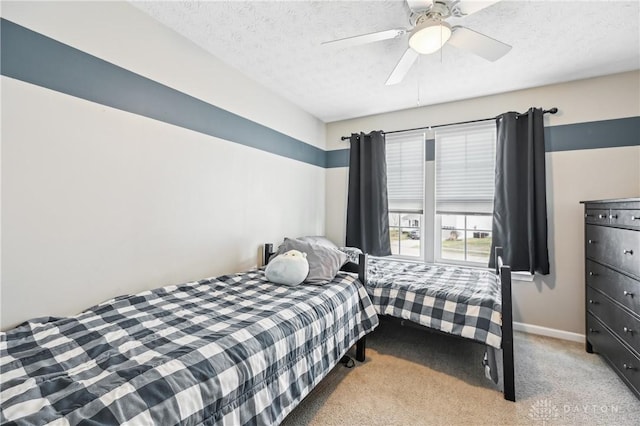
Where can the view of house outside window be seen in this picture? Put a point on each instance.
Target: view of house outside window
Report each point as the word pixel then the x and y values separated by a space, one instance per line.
pixel 405 230
pixel 465 238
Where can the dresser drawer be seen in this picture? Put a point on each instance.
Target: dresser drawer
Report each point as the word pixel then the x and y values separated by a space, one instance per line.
pixel 619 248
pixel 623 361
pixel 625 217
pixel 625 290
pixel 597 216
pixel 622 323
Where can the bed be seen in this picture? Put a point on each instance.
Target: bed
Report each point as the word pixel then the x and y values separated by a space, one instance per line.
pixel 230 350
pixel 470 303
pixel 466 302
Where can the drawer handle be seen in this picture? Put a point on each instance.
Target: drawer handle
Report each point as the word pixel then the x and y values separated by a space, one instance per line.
pixel 593 302
pixel 591 241
pixel 635 217
pixel 593 274
pixel 625 251
pixel 613 216
pixel 593 330
pixel 590 215
pixel 627 330
pixel 628 366
pixel 627 293
pixel 602 216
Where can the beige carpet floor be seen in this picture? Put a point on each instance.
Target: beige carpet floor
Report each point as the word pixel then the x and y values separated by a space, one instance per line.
pixel 413 377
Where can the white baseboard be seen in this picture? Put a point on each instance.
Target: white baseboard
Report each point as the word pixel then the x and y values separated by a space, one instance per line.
pixel 549 332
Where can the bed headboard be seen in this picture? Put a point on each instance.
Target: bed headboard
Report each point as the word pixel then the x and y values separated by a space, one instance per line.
pixel 267 252
pixel 356 268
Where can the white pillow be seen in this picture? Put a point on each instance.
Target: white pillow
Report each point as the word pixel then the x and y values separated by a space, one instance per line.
pixel 290 268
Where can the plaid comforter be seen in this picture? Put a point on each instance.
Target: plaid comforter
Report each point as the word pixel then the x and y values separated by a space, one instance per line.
pixel 231 350
pixel 462 301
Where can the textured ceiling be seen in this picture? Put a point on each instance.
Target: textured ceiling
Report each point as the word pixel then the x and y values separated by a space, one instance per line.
pixel 278 44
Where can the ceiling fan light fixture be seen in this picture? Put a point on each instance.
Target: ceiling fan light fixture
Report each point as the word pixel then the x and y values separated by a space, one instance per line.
pixel 429 36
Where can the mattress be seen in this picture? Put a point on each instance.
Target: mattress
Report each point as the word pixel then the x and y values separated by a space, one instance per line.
pixel 457 300
pixel 233 350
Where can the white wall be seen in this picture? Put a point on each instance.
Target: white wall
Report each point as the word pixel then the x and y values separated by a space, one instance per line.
pixel 98 202
pixel 120 33
pixel 557 300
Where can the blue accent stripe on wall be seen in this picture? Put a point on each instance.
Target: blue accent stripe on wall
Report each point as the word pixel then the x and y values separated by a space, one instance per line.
pixel 430 150
pixel 567 137
pixel 593 134
pixel 338 158
pixel 34 58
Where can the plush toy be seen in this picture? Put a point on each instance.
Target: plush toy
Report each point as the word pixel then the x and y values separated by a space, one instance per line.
pixel 290 268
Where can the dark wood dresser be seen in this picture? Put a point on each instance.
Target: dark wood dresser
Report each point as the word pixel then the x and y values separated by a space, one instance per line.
pixel 612 277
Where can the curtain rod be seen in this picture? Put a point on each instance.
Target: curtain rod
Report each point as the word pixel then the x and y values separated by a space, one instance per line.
pixel 546 111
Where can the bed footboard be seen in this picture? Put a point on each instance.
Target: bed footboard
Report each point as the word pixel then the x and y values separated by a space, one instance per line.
pixel 360 349
pixel 363 258
pixel 508 366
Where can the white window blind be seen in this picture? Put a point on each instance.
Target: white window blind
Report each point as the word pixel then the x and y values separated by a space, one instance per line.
pixel 405 170
pixel 465 168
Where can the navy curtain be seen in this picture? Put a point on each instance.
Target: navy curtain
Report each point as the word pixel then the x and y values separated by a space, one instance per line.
pixel 367 204
pixel 520 205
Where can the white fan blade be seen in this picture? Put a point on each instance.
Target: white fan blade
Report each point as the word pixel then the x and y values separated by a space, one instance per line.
pixel 366 38
pixel 405 63
pixel 480 44
pixel 467 7
pixel 419 5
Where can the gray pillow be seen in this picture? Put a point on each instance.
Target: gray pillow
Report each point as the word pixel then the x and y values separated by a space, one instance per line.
pixel 319 240
pixel 324 262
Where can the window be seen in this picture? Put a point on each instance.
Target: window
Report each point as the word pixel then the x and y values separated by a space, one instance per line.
pixel 405 188
pixel 465 167
pixel 442 210
pixel 465 237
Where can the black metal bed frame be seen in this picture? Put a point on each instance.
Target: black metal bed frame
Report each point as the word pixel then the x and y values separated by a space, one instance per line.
pixel 503 271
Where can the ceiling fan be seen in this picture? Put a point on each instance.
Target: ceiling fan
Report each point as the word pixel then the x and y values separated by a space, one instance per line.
pixel 430 31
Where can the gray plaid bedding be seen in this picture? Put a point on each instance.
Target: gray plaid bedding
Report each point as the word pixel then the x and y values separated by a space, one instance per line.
pixel 462 301
pixel 231 350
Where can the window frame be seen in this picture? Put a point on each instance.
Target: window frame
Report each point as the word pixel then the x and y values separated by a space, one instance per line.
pixel 431 226
pixel 421 227
pixel 437 218
pixel 404 206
